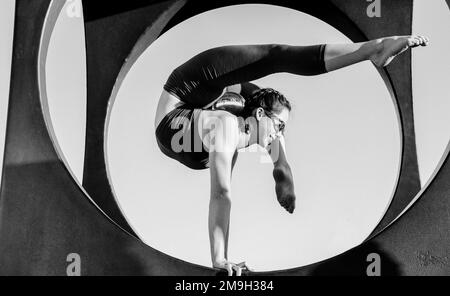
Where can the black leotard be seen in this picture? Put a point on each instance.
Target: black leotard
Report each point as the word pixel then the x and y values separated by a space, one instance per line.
pixel 203 78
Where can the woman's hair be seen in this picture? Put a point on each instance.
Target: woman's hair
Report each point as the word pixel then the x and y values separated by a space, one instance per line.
pixel 269 99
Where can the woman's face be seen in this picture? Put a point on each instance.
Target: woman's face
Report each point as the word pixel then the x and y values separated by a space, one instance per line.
pixel 271 125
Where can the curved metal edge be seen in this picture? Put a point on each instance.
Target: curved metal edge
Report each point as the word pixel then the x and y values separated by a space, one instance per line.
pixel 147 39
pixel 2 148
pixel 388 82
pixel 394 97
pixel 280 271
pixel 49 24
pixel 409 207
pixel 141 45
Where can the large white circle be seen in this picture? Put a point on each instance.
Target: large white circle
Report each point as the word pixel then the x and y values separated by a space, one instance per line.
pixel 343 144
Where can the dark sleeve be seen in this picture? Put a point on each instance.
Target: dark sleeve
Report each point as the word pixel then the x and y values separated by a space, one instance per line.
pixel 248 89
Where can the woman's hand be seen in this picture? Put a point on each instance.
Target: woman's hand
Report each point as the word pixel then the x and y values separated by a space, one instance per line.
pixel 230 266
pixel 225 264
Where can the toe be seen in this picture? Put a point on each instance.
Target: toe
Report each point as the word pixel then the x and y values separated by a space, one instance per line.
pixel 424 40
pixel 414 41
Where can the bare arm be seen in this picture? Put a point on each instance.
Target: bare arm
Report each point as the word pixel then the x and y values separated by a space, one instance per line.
pixel 221 160
pixel 282 174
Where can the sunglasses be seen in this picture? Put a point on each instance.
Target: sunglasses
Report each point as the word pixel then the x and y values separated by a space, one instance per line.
pixel 278 123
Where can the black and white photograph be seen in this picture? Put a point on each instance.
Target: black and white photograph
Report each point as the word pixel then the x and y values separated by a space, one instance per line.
pixel 224 138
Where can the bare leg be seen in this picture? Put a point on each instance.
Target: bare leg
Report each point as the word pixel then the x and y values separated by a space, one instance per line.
pixel 284 184
pixel 380 51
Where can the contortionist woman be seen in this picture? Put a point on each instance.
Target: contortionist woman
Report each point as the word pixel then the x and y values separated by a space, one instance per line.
pixel 209 109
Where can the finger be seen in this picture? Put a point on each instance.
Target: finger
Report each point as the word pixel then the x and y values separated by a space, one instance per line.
pixel 249 269
pixel 238 270
pixel 415 41
pixel 245 266
pixel 424 40
pixel 229 268
pixel 418 42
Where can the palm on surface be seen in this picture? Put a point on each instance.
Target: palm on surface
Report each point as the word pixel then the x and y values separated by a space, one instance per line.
pixel 230 266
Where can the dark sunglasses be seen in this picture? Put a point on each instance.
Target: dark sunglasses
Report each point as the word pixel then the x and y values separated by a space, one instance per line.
pixel 280 125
